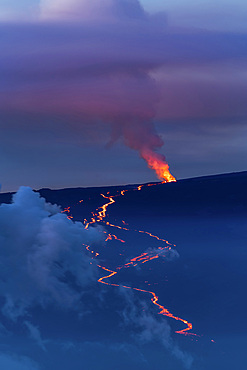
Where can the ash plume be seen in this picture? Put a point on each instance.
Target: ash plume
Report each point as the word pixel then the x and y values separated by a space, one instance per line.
pixel 142 137
pixel 68 77
pixel 83 63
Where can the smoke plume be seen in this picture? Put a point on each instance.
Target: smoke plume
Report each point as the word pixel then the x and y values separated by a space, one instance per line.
pixel 87 62
pixel 75 74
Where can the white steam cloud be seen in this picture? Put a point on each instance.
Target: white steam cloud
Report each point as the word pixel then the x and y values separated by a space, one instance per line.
pixel 42 258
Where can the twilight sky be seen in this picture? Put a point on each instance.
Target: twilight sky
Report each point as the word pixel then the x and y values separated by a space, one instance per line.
pixel 86 85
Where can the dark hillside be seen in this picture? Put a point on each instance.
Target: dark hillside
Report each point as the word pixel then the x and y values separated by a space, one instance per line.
pixel 218 194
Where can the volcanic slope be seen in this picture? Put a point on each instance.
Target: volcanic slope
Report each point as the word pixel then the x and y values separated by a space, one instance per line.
pixel 204 221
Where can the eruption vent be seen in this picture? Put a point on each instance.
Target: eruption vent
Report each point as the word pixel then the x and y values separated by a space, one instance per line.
pixel 140 135
pixel 157 162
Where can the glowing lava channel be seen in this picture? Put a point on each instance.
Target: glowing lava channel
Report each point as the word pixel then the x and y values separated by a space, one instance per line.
pixel 158 163
pixel 154 299
pixel 67 210
pixel 143 258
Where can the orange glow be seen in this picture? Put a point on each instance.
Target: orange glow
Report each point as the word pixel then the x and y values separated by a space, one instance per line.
pixel 112 237
pixel 157 163
pixel 138 231
pixel 89 250
pixel 67 210
pixel 102 214
pixel 163 311
pixel 143 258
pixel 162 170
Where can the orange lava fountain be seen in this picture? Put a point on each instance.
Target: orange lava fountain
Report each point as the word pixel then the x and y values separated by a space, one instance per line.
pixel 158 163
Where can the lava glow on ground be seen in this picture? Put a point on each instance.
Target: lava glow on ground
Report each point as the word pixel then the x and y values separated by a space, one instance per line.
pixel 142 263
pixel 100 216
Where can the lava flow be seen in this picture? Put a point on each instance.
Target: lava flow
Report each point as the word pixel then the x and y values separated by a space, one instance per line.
pixel 145 257
pixel 67 210
pixel 154 299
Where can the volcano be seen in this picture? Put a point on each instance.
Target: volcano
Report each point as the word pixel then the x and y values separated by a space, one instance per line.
pixel 169 287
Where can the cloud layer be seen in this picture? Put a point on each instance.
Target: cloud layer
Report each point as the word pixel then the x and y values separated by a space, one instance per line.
pixel 42 256
pixel 91 10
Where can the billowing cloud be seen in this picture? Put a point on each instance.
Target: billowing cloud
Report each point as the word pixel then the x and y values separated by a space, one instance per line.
pixel 42 257
pixel 45 272
pixel 90 10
